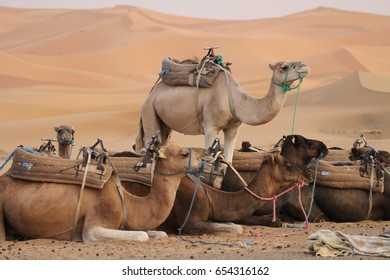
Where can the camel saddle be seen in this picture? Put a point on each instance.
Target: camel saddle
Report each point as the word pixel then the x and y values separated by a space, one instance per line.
pixel 125 168
pixel 347 175
pixel 189 72
pixel 41 167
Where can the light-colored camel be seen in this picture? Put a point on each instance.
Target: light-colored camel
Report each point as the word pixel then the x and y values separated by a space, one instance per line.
pixel 224 106
pixel 212 206
pixel 47 210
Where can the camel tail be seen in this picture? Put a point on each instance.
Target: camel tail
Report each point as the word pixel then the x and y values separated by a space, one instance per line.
pixel 139 141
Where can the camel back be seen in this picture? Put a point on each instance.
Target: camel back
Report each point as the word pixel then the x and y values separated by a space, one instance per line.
pixel 186 73
pixel 43 168
pixel 346 176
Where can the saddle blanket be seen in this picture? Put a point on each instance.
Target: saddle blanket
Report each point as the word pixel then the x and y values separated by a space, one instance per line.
pixel 43 168
pixel 345 176
pixel 186 73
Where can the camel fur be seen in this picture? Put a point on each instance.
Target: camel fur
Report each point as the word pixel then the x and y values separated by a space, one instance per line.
pixel 223 106
pixel 47 210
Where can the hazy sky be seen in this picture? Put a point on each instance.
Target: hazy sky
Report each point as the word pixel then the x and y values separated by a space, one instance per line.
pixel 219 9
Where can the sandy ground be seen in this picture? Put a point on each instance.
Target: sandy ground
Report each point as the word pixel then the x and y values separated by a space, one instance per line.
pixel 94 68
pixel 272 244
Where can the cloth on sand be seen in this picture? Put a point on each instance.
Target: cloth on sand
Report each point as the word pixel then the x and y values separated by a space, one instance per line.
pixel 327 243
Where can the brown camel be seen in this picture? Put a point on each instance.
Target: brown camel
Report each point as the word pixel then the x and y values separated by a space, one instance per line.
pixel 352 205
pixel 223 106
pixel 299 150
pixel 65 139
pixel 47 210
pixel 212 206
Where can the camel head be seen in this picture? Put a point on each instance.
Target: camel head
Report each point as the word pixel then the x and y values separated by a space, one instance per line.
pixel 301 150
pixel 286 72
pixel 284 172
pixel 65 134
pixel 173 158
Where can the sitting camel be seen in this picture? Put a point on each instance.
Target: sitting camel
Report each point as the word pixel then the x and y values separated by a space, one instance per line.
pixel 299 150
pixel 212 206
pixel 352 205
pixel 223 106
pixel 47 210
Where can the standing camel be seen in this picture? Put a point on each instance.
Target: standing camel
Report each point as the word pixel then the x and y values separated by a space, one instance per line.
pixel 47 210
pixel 223 106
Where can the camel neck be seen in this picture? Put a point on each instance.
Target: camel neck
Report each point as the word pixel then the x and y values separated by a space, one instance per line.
pixel 253 111
pixel 65 150
pixel 149 212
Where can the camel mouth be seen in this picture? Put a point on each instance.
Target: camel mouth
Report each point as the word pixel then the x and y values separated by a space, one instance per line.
pixel 304 71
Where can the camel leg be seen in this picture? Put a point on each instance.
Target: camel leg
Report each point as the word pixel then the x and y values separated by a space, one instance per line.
pixel 156 234
pixel 215 228
pixel 150 122
pixel 230 141
pixel 210 133
pixel 260 221
pixel 2 226
pixel 100 233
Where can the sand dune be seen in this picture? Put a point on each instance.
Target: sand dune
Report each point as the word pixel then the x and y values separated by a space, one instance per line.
pixel 94 68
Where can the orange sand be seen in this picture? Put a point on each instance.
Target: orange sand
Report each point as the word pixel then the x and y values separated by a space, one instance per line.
pixel 94 68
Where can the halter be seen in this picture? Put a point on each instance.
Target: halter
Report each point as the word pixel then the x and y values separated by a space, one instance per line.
pixel 283 85
pixel 298 185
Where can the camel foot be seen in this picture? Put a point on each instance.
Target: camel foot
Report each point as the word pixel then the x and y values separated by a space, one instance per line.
pixel 100 234
pixel 156 234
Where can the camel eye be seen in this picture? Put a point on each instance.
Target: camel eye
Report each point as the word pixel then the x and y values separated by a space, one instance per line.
pixel 284 68
pixel 184 155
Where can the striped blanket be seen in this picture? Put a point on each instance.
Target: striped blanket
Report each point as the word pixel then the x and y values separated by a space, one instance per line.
pixel 327 243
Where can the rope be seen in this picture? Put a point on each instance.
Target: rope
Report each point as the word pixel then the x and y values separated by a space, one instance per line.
pixel 11 155
pixel 295 108
pixel 305 224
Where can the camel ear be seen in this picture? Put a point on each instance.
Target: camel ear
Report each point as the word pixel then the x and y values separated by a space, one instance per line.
pixel 293 140
pixel 271 66
pixel 56 128
pixel 161 154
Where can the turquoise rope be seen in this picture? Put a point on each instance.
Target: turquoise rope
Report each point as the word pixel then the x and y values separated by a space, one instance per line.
pixel 295 109
pixel 30 150
pixel 313 187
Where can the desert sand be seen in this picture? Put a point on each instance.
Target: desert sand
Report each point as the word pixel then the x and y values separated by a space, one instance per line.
pixel 93 69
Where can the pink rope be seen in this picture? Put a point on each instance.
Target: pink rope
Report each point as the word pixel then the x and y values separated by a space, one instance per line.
pixel 298 185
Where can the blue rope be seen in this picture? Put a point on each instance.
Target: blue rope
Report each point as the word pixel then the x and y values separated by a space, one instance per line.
pixel 197 183
pixel 11 155
pixel 313 187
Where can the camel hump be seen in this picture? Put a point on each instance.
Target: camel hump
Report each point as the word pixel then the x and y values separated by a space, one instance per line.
pixel 43 168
